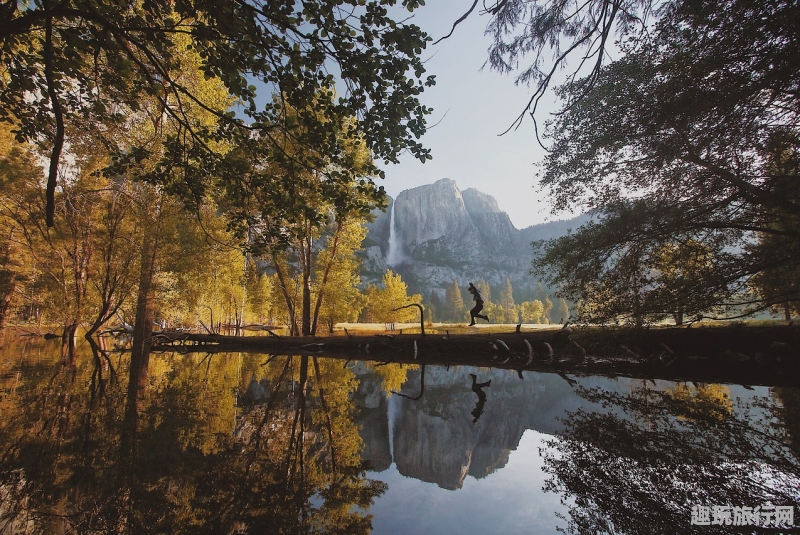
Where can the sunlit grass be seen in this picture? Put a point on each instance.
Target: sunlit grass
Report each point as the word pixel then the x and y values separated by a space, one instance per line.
pixel 371 329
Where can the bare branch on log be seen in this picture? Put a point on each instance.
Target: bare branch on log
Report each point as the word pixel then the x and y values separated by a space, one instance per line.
pixel 421 315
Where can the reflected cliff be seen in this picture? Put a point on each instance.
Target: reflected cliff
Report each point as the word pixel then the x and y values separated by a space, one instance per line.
pixel 438 438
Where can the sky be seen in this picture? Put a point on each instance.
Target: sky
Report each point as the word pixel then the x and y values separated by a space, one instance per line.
pixel 473 105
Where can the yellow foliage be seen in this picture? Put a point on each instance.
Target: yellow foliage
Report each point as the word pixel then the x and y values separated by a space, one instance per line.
pixel 383 302
pixel 702 401
pixel 393 375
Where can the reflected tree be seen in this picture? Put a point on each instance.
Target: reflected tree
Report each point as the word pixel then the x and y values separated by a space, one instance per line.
pixel 79 453
pixel 657 452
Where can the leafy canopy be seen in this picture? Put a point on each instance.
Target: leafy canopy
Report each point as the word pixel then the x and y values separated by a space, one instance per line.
pixel 687 148
pixel 66 59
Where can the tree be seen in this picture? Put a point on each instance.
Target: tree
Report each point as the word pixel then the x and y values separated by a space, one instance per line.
pixel 510 313
pixel 214 290
pixel 453 302
pixel 281 194
pixel 547 307
pixel 17 165
pixel 259 293
pixel 85 58
pixel 563 310
pixel 682 269
pixel 672 124
pixel 531 311
pixel 435 309
pixel 337 292
pixel 777 281
pixel 75 256
pixel 382 302
pixel 539 292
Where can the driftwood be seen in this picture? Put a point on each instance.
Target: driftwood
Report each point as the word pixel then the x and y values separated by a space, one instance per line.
pixel 421 315
pixel 750 355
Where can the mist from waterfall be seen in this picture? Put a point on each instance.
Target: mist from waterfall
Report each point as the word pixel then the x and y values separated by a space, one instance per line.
pixel 394 254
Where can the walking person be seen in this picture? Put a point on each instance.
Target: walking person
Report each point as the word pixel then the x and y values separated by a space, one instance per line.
pixel 476 296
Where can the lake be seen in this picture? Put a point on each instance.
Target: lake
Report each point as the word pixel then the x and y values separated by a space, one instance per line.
pixel 253 443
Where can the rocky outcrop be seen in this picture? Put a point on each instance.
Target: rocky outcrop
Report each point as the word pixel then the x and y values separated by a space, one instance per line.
pixel 493 225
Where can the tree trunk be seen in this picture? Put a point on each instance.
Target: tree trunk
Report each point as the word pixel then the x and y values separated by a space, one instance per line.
pixel 5 300
pixel 324 281
pixel 68 341
pixel 305 259
pixel 143 328
pixel 282 279
pixel 8 280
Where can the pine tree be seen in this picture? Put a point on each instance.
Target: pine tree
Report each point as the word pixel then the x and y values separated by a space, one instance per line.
pixel 507 303
pixel 453 303
pixel 484 290
pixel 548 308
pixel 563 310
pixel 434 310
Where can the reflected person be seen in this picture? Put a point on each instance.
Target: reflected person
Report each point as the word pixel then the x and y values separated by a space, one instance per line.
pixel 478 389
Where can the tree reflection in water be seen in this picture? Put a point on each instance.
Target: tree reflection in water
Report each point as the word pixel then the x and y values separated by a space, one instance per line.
pixel 655 452
pixel 195 461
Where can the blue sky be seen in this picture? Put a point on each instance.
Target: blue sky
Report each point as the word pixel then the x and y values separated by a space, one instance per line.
pixel 472 106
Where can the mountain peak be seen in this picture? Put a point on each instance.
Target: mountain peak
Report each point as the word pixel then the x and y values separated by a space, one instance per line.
pixel 478 201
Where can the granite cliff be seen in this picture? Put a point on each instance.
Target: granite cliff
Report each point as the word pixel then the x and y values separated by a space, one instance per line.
pixel 440 234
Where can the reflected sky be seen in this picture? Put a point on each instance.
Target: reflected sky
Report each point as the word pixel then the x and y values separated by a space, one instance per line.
pixel 509 501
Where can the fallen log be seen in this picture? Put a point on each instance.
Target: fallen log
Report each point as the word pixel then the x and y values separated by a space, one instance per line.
pixel 699 354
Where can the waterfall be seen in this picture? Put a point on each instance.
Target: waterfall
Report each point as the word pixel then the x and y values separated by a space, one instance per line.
pixel 394 254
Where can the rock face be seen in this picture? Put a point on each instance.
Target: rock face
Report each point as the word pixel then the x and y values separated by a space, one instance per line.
pixel 441 234
pixel 442 437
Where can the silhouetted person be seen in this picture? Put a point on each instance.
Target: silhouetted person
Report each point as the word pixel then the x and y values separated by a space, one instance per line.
pixel 478 389
pixel 478 305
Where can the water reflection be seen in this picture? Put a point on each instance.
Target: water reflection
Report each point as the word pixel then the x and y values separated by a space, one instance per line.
pixel 240 443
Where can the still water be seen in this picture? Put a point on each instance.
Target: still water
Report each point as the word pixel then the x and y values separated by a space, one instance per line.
pixel 250 443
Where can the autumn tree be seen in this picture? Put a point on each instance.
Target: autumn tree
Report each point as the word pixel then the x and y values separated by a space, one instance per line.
pixel 85 58
pixel 288 201
pixel 259 293
pixel 393 293
pixel 17 165
pixel 531 311
pixel 506 302
pixel 203 274
pixel 435 308
pixel 82 272
pixel 338 298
